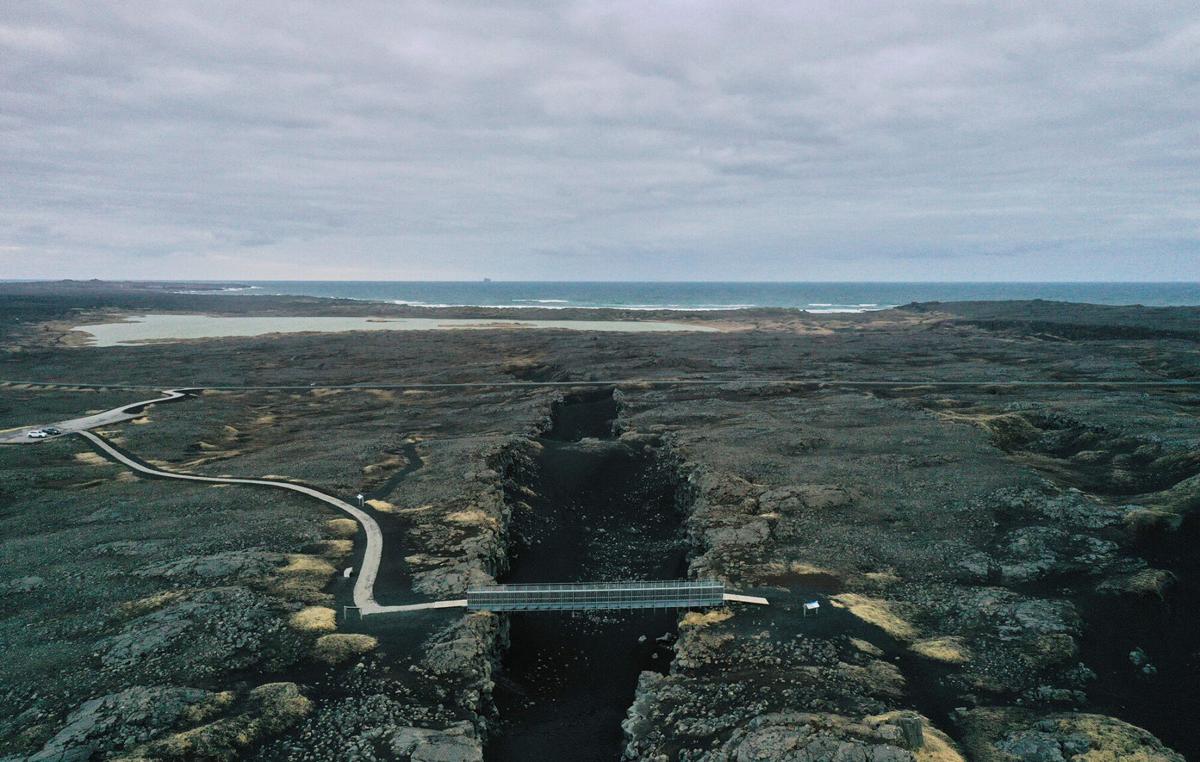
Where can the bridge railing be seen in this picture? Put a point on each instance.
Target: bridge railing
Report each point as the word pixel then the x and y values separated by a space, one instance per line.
pixel 639 594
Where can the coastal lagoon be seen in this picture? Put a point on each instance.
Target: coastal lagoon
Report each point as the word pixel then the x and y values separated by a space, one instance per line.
pixel 164 328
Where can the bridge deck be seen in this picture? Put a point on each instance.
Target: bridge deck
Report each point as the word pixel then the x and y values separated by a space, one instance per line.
pixel 597 595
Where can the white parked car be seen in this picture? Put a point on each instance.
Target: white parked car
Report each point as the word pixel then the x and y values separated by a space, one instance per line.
pixel 39 434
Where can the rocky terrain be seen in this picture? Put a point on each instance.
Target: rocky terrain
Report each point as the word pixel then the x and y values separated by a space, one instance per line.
pixel 1005 571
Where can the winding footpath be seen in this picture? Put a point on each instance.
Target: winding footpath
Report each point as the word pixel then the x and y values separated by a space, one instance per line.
pixel 107 418
pixel 802 381
pixel 364 585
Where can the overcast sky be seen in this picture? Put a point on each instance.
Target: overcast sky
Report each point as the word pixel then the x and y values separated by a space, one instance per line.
pixel 601 140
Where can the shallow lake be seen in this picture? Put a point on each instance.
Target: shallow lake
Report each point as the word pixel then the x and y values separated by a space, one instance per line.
pixel 162 328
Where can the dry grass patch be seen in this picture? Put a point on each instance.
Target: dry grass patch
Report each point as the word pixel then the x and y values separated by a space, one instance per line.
pixel 304 579
pixel 381 505
pixel 273 707
pixel 1008 431
pixel 799 567
pixel 280 705
pixel 1142 520
pixel 150 603
pixel 424 559
pixel 418 509
pixel 314 619
pixel 338 647
pixel 1107 739
pixel 1145 582
pixel 300 563
pixel 937 746
pixel 213 705
pixel 142 421
pixel 383 395
pixel 883 614
pixel 868 648
pixel 335 548
pixel 882 578
pixel 698 619
pixel 1113 740
pixel 91 459
pixel 211 458
pixel 950 650
pixel 471 517
pixel 342 527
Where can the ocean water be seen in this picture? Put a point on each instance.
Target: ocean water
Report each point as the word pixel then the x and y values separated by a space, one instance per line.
pixel 815 297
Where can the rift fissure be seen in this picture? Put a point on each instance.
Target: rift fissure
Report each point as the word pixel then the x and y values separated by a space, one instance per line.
pixel 589 503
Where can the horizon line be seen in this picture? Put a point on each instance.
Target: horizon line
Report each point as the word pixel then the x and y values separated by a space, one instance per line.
pixel 671 282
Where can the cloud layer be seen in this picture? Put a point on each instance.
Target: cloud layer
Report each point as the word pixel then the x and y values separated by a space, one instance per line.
pixel 600 140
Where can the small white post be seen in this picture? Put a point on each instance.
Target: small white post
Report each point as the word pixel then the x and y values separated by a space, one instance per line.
pixel 360 499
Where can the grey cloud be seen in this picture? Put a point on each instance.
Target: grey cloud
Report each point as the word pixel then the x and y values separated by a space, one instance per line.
pixel 552 140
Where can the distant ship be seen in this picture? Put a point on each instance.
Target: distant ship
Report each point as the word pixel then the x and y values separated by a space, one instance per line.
pixel 487 280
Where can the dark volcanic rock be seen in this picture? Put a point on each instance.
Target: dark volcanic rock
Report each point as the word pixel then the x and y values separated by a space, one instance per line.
pixel 121 721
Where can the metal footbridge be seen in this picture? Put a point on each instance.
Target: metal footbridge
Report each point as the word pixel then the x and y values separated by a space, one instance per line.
pixel 583 596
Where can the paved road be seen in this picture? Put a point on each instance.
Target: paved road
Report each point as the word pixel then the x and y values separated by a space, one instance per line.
pixel 364 586
pixel 742 381
pixel 17 436
pixel 76 425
